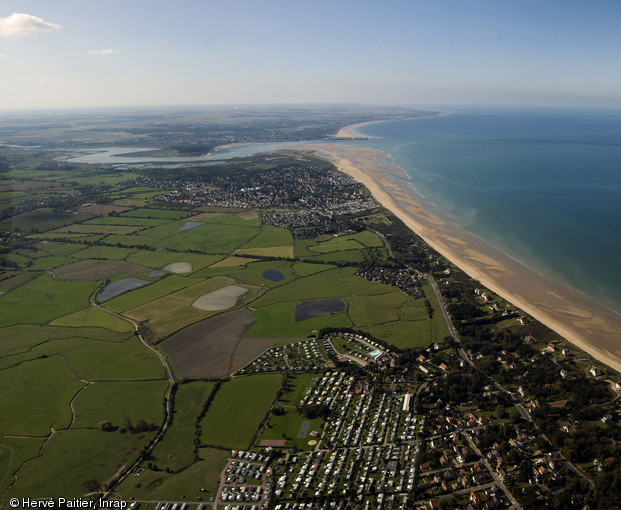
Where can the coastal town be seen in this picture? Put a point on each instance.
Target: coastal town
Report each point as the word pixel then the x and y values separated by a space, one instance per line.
pixel 281 341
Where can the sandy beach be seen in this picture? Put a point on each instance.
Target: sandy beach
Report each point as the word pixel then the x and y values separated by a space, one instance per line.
pixel 349 132
pixel 576 317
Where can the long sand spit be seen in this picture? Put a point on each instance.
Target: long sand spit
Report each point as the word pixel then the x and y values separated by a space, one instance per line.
pixel 575 316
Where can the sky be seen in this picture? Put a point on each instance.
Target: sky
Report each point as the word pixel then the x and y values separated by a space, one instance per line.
pixel 90 53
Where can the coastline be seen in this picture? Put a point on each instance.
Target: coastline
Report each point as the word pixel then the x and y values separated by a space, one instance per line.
pixel 349 132
pixel 574 316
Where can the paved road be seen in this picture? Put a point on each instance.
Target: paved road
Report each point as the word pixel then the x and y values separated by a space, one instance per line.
pixel 497 480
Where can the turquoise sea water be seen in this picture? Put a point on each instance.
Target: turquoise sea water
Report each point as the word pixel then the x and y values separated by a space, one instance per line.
pixel 544 186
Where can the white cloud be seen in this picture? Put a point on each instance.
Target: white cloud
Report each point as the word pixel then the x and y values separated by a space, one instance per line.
pixel 20 24
pixel 107 51
pixel 41 80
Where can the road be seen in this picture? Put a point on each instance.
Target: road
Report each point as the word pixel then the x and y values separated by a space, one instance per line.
pixel 445 314
pixel 497 480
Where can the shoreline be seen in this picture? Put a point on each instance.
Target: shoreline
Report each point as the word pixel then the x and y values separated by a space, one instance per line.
pixel 576 317
pixel 349 132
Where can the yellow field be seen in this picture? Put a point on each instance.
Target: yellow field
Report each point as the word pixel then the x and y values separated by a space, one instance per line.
pixel 233 262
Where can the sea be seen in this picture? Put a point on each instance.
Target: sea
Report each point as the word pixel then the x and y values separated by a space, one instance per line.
pixel 542 185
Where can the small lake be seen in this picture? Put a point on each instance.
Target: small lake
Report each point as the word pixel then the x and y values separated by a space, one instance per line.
pixel 273 275
pixel 117 288
pixel 190 225
pixel 317 308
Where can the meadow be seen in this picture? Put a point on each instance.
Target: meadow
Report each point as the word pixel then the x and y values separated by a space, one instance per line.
pixel 338 282
pixel 95 457
pixel 160 214
pixel 93 317
pixel 14 451
pixel 176 450
pixel 95 360
pixel 198 480
pixel 142 295
pixel 237 410
pixel 50 298
pixel 47 385
pixel 278 321
pixel 118 402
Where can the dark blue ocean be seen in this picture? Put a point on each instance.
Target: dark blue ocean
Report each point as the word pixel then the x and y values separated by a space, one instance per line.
pixel 544 186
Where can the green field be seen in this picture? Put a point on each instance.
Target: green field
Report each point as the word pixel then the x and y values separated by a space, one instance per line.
pixel 132 240
pixel 307 269
pixel 96 360
pixel 404 335
pixel 176 450
pixel 20 338
pixel 377 309
pixel 40 220
pixel 160 214
pixel 278 320
pixel 125 221
pixel 47 386
pixel 94 317
pixel 357 247
pixel 439 328
pixel 18 279
pixel 287 425
pixel 297 385
pixel 94 459
pixel 148 293
pixel 58 249
pixel 46 263
pixel 271 236
pixel 361 240
pixel 211 238
pixel 161 258
pixel 118 402
pixel 14 451
pixel 238 409
pixel 283 252
pixel 247 218
pixel 253 272
pixel 84 228
pixel 162 486
pixel 338 282
pixel 103 252
pixel 50 298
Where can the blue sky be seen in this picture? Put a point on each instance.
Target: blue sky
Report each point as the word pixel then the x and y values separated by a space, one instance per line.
pixel 66 53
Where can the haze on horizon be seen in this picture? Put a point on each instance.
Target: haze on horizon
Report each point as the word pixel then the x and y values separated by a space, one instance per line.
pixel 71 53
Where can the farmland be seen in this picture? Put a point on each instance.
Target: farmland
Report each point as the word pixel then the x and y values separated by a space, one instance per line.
pixel 230 425
pixel 177 450
pixel 215 347
pixel 237 308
